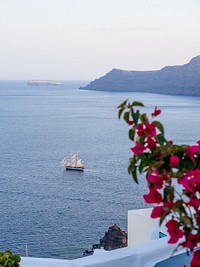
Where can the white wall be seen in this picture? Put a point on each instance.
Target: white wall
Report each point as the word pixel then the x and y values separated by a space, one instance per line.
pixel 141 227
pixel 141 255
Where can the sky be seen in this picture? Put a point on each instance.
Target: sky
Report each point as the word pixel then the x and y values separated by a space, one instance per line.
pixel 85 39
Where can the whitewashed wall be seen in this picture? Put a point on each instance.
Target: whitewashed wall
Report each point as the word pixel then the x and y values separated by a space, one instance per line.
pixel 141 227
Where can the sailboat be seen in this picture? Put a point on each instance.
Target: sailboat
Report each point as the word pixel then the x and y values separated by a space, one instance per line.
pixel 72 163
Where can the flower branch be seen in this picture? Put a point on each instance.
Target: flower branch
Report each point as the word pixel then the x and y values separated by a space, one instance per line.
pixel 172 172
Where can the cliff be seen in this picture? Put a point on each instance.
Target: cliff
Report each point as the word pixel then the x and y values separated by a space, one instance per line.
pixel 175 80
pixel 114 238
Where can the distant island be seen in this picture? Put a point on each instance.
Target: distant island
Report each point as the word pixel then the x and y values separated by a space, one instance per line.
pixel 43 83
pixel 174 80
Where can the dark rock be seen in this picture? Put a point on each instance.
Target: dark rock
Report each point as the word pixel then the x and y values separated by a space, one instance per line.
pixel 175 80
pixel 88 252
pixel 114 238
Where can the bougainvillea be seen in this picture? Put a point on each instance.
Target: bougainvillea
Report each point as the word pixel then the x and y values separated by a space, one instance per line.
pixel 172 172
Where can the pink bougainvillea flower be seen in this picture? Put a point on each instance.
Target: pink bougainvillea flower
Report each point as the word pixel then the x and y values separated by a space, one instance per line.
pixel 174 231
pixel 192 150
pixel 194 202
pixel 156 179
pixel 151 143
pixel 174 161
pixel 138 149
pixel 191 181
pixel 156 112
pixel 153 197
pixel 130 122
pixel 157 212
pixel 150 129
pixel 140 130
pixel 158 155
pixel 140 127
pixel 192 241
pixel 146 129
pixel 195 262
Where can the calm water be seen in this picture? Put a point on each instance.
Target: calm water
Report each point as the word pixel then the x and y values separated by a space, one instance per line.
pixel 58 213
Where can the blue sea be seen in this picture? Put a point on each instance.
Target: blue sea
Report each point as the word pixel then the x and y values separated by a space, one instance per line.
pixel 59 213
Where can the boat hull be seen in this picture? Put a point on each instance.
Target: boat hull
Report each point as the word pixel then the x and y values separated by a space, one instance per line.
pixel 74 169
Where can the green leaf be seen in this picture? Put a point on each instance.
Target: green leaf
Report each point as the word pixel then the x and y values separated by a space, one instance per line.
pixel 132 168
pixel 168 193
pixel 187 230
pixel 134 175
pixel 142 165
pixel 141 140
pixel 161 139
pixel 187 220
pixel 120 112
pixel 162 218
pixel 123 104
pixel 126 116
pixel 7 259
pixel 179 149
pixel 132 165
pixel 132 134
pixel 133 160
pixel 178 207
pixel 16 258
pixel 137 103
pixel 159 126
pixel 135 116
pixel 144 118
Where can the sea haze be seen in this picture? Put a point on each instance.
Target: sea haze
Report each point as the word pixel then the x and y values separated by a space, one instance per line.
pixel 58 213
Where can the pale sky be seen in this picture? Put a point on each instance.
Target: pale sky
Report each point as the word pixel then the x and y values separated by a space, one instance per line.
pixel 84 39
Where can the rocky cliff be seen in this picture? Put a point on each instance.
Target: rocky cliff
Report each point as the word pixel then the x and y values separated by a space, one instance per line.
pixel 114 238
pixel 176 80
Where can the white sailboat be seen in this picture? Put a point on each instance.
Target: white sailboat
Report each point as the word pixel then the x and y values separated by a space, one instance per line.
pixel 72 163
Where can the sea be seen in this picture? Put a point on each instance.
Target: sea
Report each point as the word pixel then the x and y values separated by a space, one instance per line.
pixel 58 213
